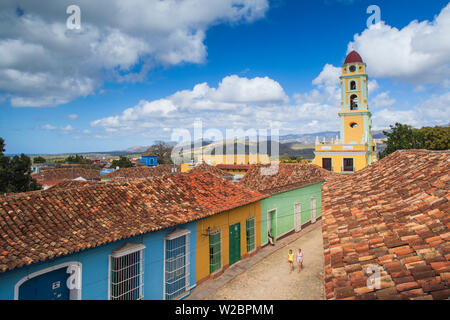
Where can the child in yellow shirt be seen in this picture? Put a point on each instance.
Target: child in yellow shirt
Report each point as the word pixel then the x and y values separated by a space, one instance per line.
pixel 291 259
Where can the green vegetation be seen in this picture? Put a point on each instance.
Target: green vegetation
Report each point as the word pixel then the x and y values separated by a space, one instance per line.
pixel 403 137
pixel 162 151
pixel 39 160
pixel 76 159
pixel 15 173
pixel 122 162
pixel 291 159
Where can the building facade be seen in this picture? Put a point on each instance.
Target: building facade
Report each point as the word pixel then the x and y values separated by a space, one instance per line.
pixel 355 148
pixel 294 197
pixel 225 238
pixel 157 266
pixel 150 160
pixel 128 240
pixel 290 211
pixel 251 158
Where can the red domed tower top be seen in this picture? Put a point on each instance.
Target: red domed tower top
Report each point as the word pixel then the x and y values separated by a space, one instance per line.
pixel 353 57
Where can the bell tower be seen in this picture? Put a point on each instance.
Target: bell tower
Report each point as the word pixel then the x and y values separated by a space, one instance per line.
pixel 355 117
pixel 355 148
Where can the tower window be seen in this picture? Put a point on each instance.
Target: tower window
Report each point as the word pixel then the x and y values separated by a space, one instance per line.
pixel 352 68
pixel 353 102
pixel 353 125
pixel 352 85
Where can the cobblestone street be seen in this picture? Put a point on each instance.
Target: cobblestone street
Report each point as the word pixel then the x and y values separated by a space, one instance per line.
pixel 266 275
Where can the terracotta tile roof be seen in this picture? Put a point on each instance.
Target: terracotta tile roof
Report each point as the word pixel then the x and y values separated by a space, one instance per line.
pixel 287 177
pixel 234 166
pixel 70 184
pixel 42 225
pixel 395 215
pixel 66 174
pixel 212 169
pixel 141 172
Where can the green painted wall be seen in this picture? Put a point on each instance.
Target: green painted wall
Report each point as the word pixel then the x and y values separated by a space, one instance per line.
pixel 284 205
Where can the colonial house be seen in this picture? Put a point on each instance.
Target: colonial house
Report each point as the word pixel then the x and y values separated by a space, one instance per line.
pixel 386 229
pixel 294 200
pixel 133 239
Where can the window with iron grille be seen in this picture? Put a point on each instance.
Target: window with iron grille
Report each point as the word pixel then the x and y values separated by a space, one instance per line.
pixel 176 264
pixel 250 232
pixel 215 261
pixel 127 273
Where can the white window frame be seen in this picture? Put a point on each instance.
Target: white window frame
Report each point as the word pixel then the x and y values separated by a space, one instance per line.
pixel 177 233
pixel 73 294
pixel 125 250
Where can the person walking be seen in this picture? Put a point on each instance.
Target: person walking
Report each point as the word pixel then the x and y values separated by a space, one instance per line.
pixel 300 259
pixel 291 260
pixel 270 237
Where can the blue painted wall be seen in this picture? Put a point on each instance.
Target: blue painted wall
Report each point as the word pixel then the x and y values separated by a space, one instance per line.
pixel 95 266
pixel 150 161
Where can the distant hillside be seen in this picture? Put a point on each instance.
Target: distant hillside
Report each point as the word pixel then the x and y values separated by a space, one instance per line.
pixel 137 149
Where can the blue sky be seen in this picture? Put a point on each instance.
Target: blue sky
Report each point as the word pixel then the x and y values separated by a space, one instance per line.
pixel 255 65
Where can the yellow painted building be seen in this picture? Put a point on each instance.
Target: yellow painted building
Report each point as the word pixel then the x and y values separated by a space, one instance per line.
pixel 222 239
pixel 355 148
pixel 253 158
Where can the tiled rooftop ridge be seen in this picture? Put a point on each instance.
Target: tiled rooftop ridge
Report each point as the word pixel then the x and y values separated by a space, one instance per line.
pixel 43 225
pixel 395 215
pixel 141 172
pixel 287 176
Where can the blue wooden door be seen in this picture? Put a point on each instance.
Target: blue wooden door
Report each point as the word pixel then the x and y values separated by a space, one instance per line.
pixel 48 286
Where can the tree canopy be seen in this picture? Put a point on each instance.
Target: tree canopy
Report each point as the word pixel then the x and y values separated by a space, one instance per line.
pixel 15 173
pixel 76 159
pixel 39 160
pixel 403 137
pixel 162 151
pixel 122 162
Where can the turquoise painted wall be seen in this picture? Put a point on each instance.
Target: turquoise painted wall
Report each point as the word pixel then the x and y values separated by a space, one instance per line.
pixel 284 205
pixel 95 264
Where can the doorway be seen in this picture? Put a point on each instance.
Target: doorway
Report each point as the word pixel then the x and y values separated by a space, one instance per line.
pixel 348 165
pixel 326 163
pixel 272 222
pixel 235 243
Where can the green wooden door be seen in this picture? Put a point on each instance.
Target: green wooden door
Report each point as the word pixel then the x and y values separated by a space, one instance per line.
pixel 235 243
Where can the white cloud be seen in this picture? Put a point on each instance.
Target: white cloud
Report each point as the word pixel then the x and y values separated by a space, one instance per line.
pixel 417 53
pixel 67 128
pixel 233 99
pixel 382 100
pixel 429 112
pixel 72 116
pixel 48 127
pixel 42 63
pixel 236 102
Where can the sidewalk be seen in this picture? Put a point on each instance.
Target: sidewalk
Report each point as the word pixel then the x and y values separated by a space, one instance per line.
pixel 253 272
